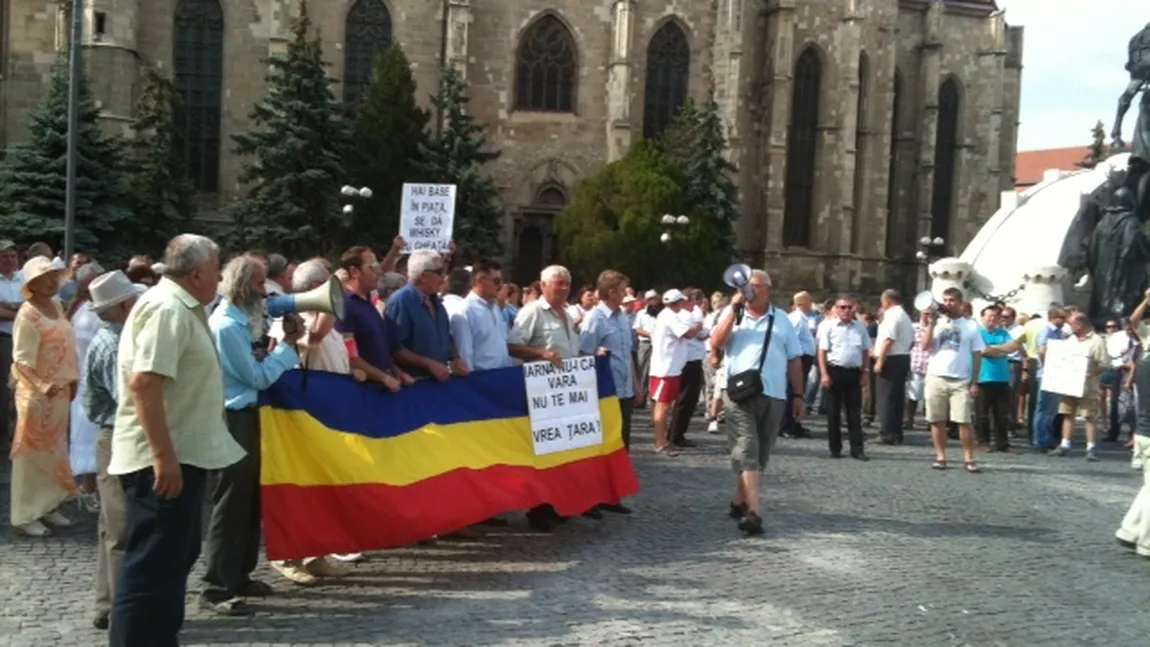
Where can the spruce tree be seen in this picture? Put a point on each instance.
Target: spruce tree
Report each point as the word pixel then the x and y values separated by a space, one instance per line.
pixel 299 137
pixel 711 192
pixel 456 155
pixel 33 177
pixel 390 130
pixel 161 196
pixel 1099 150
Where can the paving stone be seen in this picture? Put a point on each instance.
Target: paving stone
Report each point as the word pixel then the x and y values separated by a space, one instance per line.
pixel 883 553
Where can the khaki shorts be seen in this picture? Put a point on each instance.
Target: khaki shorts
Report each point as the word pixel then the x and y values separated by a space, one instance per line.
pixel 1088 406
pixel 752 428
pixel 947 400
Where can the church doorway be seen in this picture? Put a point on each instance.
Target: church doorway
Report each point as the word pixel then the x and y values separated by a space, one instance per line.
pixel 536 242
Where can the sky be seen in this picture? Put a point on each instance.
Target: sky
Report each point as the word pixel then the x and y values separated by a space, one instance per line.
pixel 1073 59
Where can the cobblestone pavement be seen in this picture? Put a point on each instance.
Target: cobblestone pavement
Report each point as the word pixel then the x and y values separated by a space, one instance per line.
pixel 880 553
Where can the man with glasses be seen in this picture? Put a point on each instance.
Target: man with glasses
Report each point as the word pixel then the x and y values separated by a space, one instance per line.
pixel 370 350
pixel 843 345
pixel 418 326
pixel 479 330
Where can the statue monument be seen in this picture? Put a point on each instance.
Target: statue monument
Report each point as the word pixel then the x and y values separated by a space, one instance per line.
pixel 1107 239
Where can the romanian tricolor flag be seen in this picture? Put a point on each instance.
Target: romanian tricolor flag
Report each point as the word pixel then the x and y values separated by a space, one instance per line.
pixel 349 467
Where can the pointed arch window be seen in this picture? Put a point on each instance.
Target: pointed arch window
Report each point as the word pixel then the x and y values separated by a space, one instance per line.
pixel 862 124
pixel 802 149
pixel 893 217
pixel 545 68
pixel 367 32
pixel 199 78
pixel 668 71
pixel 945 159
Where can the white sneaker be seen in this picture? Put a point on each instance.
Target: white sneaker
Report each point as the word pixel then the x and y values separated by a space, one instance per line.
pixel 713 428
pixel 295 573
pixel 347 557
pixel 33 529
pixel 1135 463
pixel 54 518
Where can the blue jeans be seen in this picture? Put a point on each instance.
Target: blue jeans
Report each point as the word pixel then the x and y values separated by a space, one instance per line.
pixel 1042 423
pixel 163 545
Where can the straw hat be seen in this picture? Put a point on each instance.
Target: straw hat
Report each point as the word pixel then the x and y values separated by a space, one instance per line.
pixel 113 288
pixel 37 267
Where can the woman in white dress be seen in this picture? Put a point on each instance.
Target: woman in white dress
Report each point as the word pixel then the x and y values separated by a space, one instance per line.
pixel 85 323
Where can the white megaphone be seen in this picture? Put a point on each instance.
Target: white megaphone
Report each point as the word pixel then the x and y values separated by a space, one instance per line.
pixel 924 301
pixel 738 276
pixel 326 298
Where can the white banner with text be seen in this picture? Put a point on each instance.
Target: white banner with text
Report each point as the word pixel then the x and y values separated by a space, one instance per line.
pixel 427 216
pixel 564 405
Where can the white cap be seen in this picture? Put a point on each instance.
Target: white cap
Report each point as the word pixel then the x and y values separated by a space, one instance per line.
pixel 673 296
pixel 650 294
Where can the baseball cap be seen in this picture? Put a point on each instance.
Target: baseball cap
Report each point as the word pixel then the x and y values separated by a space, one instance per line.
pixel 629 299
pixel 650 294
pixel 673 296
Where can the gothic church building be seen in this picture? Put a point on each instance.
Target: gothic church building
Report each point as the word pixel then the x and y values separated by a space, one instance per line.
pixel 858 126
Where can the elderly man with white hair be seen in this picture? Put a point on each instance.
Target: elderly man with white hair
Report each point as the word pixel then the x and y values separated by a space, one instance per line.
pixel 418 327
pixel 168 436
pixel 234 530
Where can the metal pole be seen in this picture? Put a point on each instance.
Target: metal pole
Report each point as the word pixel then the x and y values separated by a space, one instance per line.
pixel 75 75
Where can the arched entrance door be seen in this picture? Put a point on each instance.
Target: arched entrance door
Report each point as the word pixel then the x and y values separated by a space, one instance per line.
pixel 535 244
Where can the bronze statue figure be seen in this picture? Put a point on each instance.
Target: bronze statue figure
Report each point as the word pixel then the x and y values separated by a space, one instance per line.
pixel 1138 65
pixel 1117 259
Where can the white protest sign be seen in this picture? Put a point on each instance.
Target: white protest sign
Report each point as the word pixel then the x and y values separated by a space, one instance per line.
pixel 1065 366
pixel 427 216
pixel 564 405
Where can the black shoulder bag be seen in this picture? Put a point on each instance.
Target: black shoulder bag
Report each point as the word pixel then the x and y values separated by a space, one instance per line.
pixel 745 385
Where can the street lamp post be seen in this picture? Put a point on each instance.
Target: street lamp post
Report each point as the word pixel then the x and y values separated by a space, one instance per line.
pixel 928 253
pixel 670 223
pixel 349 192
pixel 75 70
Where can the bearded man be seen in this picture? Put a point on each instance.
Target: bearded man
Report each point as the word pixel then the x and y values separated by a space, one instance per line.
pixel 234 529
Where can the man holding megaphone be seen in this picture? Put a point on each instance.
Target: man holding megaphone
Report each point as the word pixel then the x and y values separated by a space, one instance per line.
pixel 234 530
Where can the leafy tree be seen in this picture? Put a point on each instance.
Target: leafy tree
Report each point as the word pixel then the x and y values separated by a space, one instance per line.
pixel 1099 150
pixel 390 131
pixel 615 221
pixel 161 196
pixel 697 143
pixel 456 155
pixel 299 138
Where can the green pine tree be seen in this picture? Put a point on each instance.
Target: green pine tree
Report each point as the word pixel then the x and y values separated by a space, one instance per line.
pixel 456 155
pixel 33 177
pixel 711 193
pixel 299 137
pixel 678 140
pixel 161 196
pixel 1099 150
pixel 390 131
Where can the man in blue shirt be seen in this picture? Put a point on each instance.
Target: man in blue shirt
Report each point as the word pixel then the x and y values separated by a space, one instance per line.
pixel 479 330
pixel 1044 431
pixel 234 530
pixel 754 423
pixel 418 327
pixel 993 402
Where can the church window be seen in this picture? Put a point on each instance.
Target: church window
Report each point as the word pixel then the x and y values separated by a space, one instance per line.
pixel 893 218
pixel 862 124
pixel 802 149
pixel 367 32
pixel 545 68
pixel 199 77
pixel 668 68
pixel 945 159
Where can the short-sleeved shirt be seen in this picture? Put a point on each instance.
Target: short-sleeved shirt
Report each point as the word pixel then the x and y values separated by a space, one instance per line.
pixel 410 326
pixel 537 326
pixel 611 329
pixel 668 347
pixel 896 326
pixel 953 347
pixel 994 369
pixel 745 345
pixel 167 334
pixel 365 324
pixel 846 344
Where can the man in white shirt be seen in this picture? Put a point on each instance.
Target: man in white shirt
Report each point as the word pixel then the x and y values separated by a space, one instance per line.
pixel 645 325
pixel 802 320
pixel 480 331
pixel 892 366
pixel 691 377
pixel 668 356
pixel 955 345
pixel 843 345
pixel 11 280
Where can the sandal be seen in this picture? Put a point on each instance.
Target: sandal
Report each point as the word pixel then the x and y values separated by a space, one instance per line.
pixel 938 465
pixel 666 450
pixel 971 467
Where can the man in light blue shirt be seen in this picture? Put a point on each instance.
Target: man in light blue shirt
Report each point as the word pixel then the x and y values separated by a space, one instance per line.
pixel 479 330
pixel 233 543
pixel 606 330
pixel 754 422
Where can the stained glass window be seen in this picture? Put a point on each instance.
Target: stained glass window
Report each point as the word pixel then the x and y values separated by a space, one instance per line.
pixel 668 68
pixel 367 33
pixel 545 68
pixel 199 77
pixel 802 149
pixel 945 159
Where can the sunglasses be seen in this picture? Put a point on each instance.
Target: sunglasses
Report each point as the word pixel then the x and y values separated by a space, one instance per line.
pixel 843 307
pixel 1111 326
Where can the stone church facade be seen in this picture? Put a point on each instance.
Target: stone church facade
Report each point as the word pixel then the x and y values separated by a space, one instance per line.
pixel 858 126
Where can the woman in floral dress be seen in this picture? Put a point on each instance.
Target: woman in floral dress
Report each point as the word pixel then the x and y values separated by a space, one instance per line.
pixel 44 376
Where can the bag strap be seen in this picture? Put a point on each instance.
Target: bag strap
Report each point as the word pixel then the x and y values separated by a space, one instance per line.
pixel 767 341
